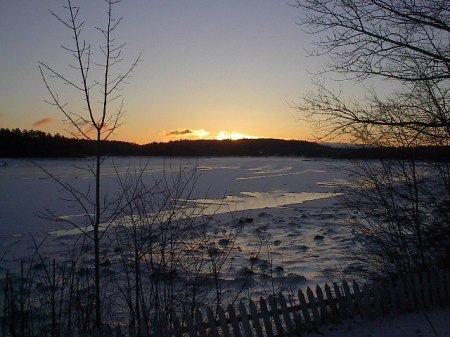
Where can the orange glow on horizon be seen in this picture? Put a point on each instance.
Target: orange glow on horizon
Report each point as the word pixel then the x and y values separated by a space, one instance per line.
pixel 198 134
pixel 223 135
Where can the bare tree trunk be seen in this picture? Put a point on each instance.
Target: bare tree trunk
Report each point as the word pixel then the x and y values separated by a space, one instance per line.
pixel 98 306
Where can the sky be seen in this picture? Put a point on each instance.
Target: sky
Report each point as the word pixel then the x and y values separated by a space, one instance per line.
pixel 210 69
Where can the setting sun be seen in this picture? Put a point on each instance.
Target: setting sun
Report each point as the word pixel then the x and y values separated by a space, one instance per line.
pixel 223 135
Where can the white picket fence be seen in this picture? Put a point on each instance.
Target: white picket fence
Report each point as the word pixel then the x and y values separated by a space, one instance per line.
pixel 293 315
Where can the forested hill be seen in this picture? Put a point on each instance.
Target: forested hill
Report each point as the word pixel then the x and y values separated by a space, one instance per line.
pixel 38 144
pixel 243 147
pixel 31 143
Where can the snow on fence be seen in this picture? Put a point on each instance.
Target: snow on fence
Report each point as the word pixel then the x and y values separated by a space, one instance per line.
pixel 293 315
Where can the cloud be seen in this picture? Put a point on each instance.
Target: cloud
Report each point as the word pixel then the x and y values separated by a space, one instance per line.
pixel 187 134
pixel 179 132
pixel 43 122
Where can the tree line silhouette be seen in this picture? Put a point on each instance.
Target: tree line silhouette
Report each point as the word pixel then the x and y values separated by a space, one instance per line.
pixel 16 143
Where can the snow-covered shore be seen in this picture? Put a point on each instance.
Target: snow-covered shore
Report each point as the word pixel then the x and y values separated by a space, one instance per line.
pixel 428 323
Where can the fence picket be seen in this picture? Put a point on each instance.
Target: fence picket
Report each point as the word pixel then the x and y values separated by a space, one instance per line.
pixel 377 300
pixel 313 305
pixel 324 314
pixel 190 325
pixel 305 311
pixel 265 316
pixel 223 322
pixel 342 310
pixel 358 297
pixel 234 321
pixel 297 319
pixel 286 316
pixel 255 319
pixel 212 322
pixel 366 301
pixel 350 308
pixel 275 316
pixel 245 320
pixel 332 304
pixel 199 322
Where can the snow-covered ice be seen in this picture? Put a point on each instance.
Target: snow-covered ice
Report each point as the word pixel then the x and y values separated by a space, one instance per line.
pixel 291 201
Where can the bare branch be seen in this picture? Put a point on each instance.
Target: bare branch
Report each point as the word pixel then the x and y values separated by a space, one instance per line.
pixel 381 38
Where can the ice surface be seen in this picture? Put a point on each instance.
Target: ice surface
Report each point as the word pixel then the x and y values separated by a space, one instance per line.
pixel 290 206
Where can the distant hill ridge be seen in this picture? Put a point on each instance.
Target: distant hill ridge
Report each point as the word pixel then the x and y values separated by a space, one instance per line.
pixel 37 144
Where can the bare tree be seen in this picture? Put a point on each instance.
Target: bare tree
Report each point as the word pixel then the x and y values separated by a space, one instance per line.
pixel 403 42
pixel 400 40
pixel 405 45
pixel 95 80
pixel 400 210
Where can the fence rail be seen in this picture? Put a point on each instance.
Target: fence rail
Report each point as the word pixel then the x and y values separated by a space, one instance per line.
pixel 281 315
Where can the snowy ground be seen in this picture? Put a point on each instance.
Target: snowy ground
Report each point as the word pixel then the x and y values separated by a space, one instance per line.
pixel 429 323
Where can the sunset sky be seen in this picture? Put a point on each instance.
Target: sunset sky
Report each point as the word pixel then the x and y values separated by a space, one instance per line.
pixel 210 69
